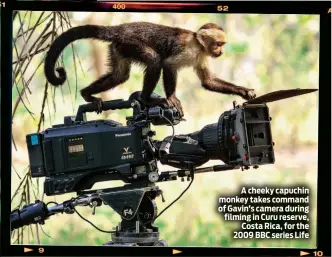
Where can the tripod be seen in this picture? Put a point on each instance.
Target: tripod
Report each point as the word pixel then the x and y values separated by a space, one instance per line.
pixel 138 210
pixel 136 227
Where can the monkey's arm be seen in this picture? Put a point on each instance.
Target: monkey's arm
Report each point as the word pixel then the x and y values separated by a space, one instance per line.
pixel 212 83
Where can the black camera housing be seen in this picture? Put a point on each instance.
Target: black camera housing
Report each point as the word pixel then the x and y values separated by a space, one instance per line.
pixel 87 146
pixel 75 155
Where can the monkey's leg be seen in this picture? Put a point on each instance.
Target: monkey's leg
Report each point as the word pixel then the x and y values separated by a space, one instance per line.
pixel 151 76
pixel 169 79
pixel 118 75
pixel 98 86
pixel 107 81
pixel 137 50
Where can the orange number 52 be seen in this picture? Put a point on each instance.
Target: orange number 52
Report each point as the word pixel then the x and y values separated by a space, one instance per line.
pixel 222 8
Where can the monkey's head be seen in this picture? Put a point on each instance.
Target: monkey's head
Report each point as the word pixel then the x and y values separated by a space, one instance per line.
pixel 212 38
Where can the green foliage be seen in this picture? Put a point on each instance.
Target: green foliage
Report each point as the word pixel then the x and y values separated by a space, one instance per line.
pixel 237 48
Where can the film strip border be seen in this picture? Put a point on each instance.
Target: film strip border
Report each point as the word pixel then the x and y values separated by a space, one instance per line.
pixel 21 250
pixel 283 7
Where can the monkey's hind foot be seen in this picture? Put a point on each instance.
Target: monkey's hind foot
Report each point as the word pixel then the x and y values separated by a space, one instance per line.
pixel 154 101
pixel 98 102
pixel 92 99
pixel 247 93
pixel 173 101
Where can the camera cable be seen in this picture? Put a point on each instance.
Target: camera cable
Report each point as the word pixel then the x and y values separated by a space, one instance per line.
pixel 93 225
pixel 178 198
pixel 192 175
pixel 174 201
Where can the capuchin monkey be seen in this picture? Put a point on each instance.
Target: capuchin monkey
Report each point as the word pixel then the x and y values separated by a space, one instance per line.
pixel 161 49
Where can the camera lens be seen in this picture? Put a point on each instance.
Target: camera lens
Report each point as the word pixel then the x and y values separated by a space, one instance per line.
pixel 210 138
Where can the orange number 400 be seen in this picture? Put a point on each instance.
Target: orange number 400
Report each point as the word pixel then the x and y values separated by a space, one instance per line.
pixel 119 6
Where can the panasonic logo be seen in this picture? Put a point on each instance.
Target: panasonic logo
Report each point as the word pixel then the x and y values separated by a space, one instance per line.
pixel 122 135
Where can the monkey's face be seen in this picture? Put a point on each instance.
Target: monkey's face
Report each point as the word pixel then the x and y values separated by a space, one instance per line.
pixel 213 41
pixel 216 48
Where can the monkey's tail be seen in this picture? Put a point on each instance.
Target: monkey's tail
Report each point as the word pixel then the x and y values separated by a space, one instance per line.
pixel 88 31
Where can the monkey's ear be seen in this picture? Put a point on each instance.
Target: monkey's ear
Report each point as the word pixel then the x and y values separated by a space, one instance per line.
pixel 203 37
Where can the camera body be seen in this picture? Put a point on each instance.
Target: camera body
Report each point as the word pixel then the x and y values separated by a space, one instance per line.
pixel 86 146
pixel 75 155
pixel 72 157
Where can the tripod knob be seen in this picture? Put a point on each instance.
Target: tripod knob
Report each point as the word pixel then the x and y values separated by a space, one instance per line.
pixel 162 197
pixel 94 204
pixel 153 176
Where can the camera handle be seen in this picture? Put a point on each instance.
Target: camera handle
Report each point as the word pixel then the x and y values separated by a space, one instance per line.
pixel 105 106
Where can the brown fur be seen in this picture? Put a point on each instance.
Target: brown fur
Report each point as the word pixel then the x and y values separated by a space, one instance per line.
pixel 159 48
pixel 211 26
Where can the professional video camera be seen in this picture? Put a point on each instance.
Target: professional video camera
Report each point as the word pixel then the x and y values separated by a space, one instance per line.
pixel 77 154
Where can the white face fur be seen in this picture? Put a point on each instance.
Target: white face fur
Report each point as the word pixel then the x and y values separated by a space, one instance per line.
pixel 212 40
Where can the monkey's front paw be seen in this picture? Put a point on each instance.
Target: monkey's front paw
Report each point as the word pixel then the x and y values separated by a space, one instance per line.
pixel 248 94
pixel 174 102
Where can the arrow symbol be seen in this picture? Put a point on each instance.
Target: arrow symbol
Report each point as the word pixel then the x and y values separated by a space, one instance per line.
pixel 303 253
pixel 176 251
pixel 26 250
